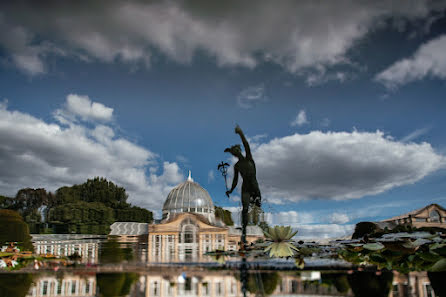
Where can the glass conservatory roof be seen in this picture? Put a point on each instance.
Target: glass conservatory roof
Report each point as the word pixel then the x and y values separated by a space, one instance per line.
pixel 188 197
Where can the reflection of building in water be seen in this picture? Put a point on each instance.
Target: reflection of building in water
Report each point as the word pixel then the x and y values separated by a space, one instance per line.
pixel 415 284
pixel 308 283
pixel 189 227
pixel 85 246
pixel 173 282
pixel 205 283
pixel 432 215
pixel 69 285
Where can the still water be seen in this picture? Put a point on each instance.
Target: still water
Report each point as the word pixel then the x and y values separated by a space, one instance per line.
pixel 90 265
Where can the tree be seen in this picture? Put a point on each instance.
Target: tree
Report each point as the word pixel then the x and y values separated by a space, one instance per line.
pixel 14 229
pixel 15 284
pixel 224 215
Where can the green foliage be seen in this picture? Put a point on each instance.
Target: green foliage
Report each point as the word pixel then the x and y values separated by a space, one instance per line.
pixel 88 208
pixel 81 217
pixel 15 284
pixel 263 283
pixel 133 214
pixel 14 229
pixel 364 228
pixel 111 252
pixel 5 202
pixel 339 280
pixel 115 284
pixel 224 215
pixel 94 190
pixel 369 284
pixel 255 215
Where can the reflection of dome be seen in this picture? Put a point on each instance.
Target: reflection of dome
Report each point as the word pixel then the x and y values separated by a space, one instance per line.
pixel 189 197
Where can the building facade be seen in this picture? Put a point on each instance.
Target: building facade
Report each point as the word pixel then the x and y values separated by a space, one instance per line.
pixel 432 215
pixel 189 227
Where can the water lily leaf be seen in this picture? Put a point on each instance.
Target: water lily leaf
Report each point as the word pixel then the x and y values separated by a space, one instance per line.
pixel 416 243
pixel 429 257
pixel 440 265
pixel 300 263
pixel 376 246
pixel 436 246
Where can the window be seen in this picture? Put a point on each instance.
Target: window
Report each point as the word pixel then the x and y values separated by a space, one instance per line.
pixel 87 287
pixel 428 291
pixel 45 288
pixel 206 289
pixel 218 289
pixel 73 287
pixel 155 288
pixel 58 288
pixel 434 216
pixel 420 220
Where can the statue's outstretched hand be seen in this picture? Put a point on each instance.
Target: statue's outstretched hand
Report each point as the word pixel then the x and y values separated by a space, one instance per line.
pixel 238 130
pixel 228 192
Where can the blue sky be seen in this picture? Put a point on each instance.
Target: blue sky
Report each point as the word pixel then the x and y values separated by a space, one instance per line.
pixel 343 102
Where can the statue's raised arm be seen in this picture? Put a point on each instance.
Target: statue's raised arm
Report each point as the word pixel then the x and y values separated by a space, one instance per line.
pixel 239 131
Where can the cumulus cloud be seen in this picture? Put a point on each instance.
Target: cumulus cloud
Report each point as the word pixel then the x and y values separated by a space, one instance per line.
pixel 301 119
pixel 428 61
pixel 310 225
pixel 298 35
pixel 81 107
pixel 339 165
pixel 248 97
pixel 339 218
pixel 319 231
pixel 35 153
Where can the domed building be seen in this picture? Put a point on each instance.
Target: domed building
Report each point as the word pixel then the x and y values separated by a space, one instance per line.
pixel 190 228
pixel 189 197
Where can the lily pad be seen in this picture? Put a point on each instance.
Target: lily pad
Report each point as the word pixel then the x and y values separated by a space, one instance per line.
pixel 375 246
pixel 440 265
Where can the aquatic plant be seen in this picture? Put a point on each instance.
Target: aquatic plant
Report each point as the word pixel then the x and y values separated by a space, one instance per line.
pixel 280 245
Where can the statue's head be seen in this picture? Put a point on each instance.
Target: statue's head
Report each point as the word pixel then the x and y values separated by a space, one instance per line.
pixel 235 150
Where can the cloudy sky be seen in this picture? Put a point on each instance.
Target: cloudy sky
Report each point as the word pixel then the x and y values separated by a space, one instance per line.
pixel 343 102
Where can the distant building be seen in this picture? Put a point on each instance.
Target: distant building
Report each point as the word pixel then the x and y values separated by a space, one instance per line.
pixel 67 285
pixel 63 245
pixel 432 215
pixel 129 231
pixel 189 227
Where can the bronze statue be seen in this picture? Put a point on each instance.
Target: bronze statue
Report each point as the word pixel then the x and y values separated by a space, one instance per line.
pixel 247 169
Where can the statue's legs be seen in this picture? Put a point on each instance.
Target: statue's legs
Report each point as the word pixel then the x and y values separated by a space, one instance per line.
pixel 245 210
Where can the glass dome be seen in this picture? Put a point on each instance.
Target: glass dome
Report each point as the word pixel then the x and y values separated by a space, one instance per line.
pixel 189 197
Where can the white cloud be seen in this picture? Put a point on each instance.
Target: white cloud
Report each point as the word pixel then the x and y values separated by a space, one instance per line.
pixel 339 165
pixel 325 122
pixel 339 218
pixel 34 153
pixel 309 224
pixel 83 107
pixel 428 61
pixel 415 134
pixel 211 176
pixel 319 231
pixel 298 35
pixel 301 119
pixel 250 96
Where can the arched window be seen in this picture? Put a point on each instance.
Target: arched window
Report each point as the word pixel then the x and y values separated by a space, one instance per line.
pixel 434 216
pixel 189 232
